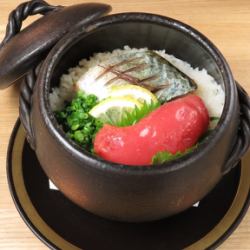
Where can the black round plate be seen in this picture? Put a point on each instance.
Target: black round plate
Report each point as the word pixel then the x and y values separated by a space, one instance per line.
pixel 60 224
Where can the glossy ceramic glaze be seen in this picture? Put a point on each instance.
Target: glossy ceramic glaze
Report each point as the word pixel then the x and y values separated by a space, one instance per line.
pixel 117 191
pixel 21 51
pixel 79 229
pixel 139 193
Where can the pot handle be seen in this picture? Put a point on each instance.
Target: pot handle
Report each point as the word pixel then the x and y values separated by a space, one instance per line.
pixel 22 52
pixel 18 15
pixel 243 138
pixel 25 103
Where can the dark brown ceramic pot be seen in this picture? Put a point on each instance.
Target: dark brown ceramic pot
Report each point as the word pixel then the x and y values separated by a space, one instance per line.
pixel 123 192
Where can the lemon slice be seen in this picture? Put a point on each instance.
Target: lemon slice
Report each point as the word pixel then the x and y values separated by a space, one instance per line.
pixel 111 109
pixel 137 92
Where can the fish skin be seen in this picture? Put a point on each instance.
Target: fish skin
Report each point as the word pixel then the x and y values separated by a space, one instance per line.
pixel 143 68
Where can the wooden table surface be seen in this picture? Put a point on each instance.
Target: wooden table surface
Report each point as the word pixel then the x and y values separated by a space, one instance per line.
pixel 226 23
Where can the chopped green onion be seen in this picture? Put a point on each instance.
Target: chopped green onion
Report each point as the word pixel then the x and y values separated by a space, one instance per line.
pixel 76 121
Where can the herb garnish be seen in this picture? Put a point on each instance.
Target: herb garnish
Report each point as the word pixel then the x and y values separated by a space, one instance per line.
pixel 76 121
pixel 165 156
pixel 135 115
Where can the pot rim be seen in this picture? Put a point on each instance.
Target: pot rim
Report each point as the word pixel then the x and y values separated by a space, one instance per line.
pixel 79 32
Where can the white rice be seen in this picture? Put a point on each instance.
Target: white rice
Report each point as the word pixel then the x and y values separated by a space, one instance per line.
pixel 211 93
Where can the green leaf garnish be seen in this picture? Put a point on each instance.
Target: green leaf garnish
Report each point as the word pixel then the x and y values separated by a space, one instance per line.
pixel 213 122
pixel 165 156
pixel 214 118
pixel 135 115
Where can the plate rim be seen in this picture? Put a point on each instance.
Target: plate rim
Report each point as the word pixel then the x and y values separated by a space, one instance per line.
pixel 13 193
pixel 18 127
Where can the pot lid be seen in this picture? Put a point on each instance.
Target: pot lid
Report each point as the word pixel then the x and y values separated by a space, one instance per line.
pixel 23 51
